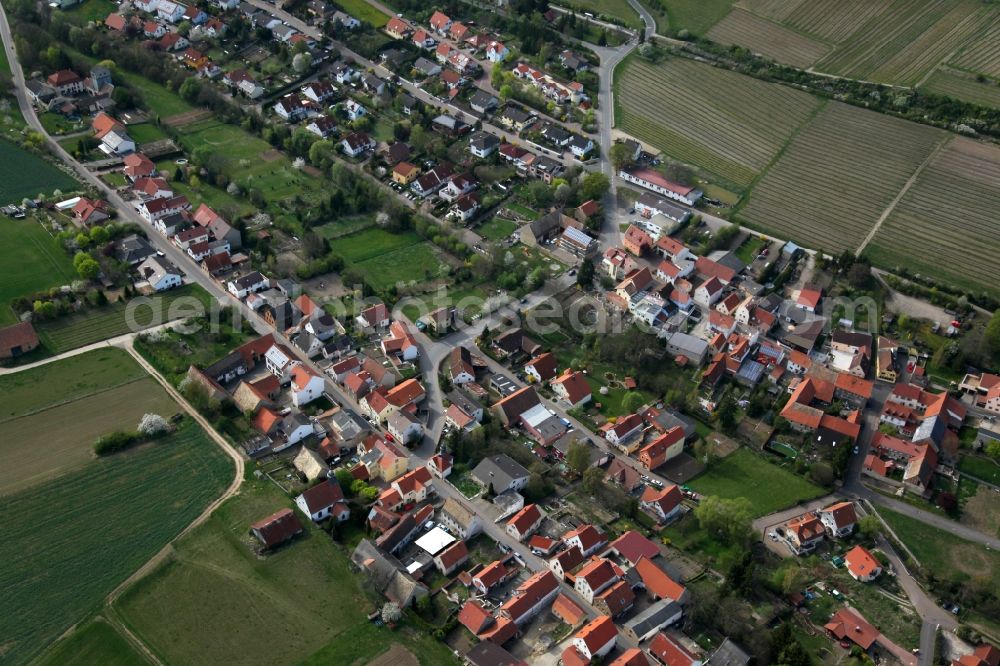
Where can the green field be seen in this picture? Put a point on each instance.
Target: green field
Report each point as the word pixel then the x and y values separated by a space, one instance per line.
pixel 66 380
pixel 92 10
pixel 496 229
pixel 344 226
pixel 69 542
pixel 386 258
pixel 144 133
pixel 251 161
pixel 697 16
pixel 56 440
pixel 97 642
pixel 675 106
pixel 157 98
pixel 615 9
pixel 965 87
pixel 216 602
pixel 980 467
pixel 416 263
pixel 947 556
pixel 363 11
pixel 837 176
pixel 96 324
pixel 32 261
pixel 950 207
pixel 744 474
pixel 23 174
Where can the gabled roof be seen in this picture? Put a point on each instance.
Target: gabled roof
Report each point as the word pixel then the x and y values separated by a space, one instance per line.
pixel 575 384
pixel 323 495
pixel 658 581
pixel 491 574
pixel 842 513
pixel 588 535
pixel 667 499
pixel 525 518
pixel 597 633
pixel 846 623
pixel 633 546
pixel 568 610
pixel 474 617
pixel 278 527
pixel 860 562
pixel 670 652
pixel 598 572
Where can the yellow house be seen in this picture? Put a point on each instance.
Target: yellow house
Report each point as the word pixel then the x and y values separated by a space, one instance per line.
pixel 405 173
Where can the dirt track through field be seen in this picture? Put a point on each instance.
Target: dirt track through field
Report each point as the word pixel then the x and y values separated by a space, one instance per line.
pixel 188 117
pixel 233 488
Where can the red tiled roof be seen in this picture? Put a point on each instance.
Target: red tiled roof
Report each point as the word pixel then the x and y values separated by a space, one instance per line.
pixel 491 574
pixel 575 384
pixel 597 633
pixel 588 535
pixel 669 652
pixel 657 581
pixel 525 518
pixel 453 554
pixel 632 546
pixel 860 562
pixel 474 617
pixel 848 624
pixel 565 608
pixel 277 528
pixel 631 657
pixel 18 335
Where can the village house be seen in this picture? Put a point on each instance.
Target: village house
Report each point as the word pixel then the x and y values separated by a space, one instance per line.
pixel 324 500
pixel 525 522
pixel 862 565
pixel 278 528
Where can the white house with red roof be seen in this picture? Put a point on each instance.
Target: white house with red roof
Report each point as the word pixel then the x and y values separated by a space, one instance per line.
pixel 839 519
pixel 862 565
pixel 668 651
pixel 665 504
pixel 525 522
pixel 572 387
pixel 323 501
pixel 441 23
pixel 595 640
pixel 623 430
pixel 596 576
pixel 656 182
pixel 587 538
pixel 306 385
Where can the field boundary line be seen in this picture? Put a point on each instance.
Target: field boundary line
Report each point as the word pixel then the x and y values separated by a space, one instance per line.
pixel 232 490
pixel 944 141
pixel 68 401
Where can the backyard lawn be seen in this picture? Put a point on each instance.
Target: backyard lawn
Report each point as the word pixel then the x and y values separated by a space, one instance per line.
pixel 157 98
pixel 363 11
pixel 114 514
pixel 143 133
pixel 250 161
pixel 32 261
pixel 745 474
pixel 980 467
pixel 496 229
pixel 215 601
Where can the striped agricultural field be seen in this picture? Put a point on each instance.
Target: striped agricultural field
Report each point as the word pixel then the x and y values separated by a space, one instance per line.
pixel 834 20
pixel 901 44
pixel 963 86
pixel 767 38
pixel 837 177
pixel 982 54
pixel 725 123
pixel 946 223
pixel 775 10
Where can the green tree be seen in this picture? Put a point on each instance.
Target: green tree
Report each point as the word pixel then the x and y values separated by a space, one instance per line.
pixel 632 401
pixel 992 336
pixel 99 235
pixel 578 457
pixel 869 526
pixel 594 186
pixel 621 156
pixel 592 480
pixel 88 269
pixel 725 413
pixel 727 519
pixel 585 275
